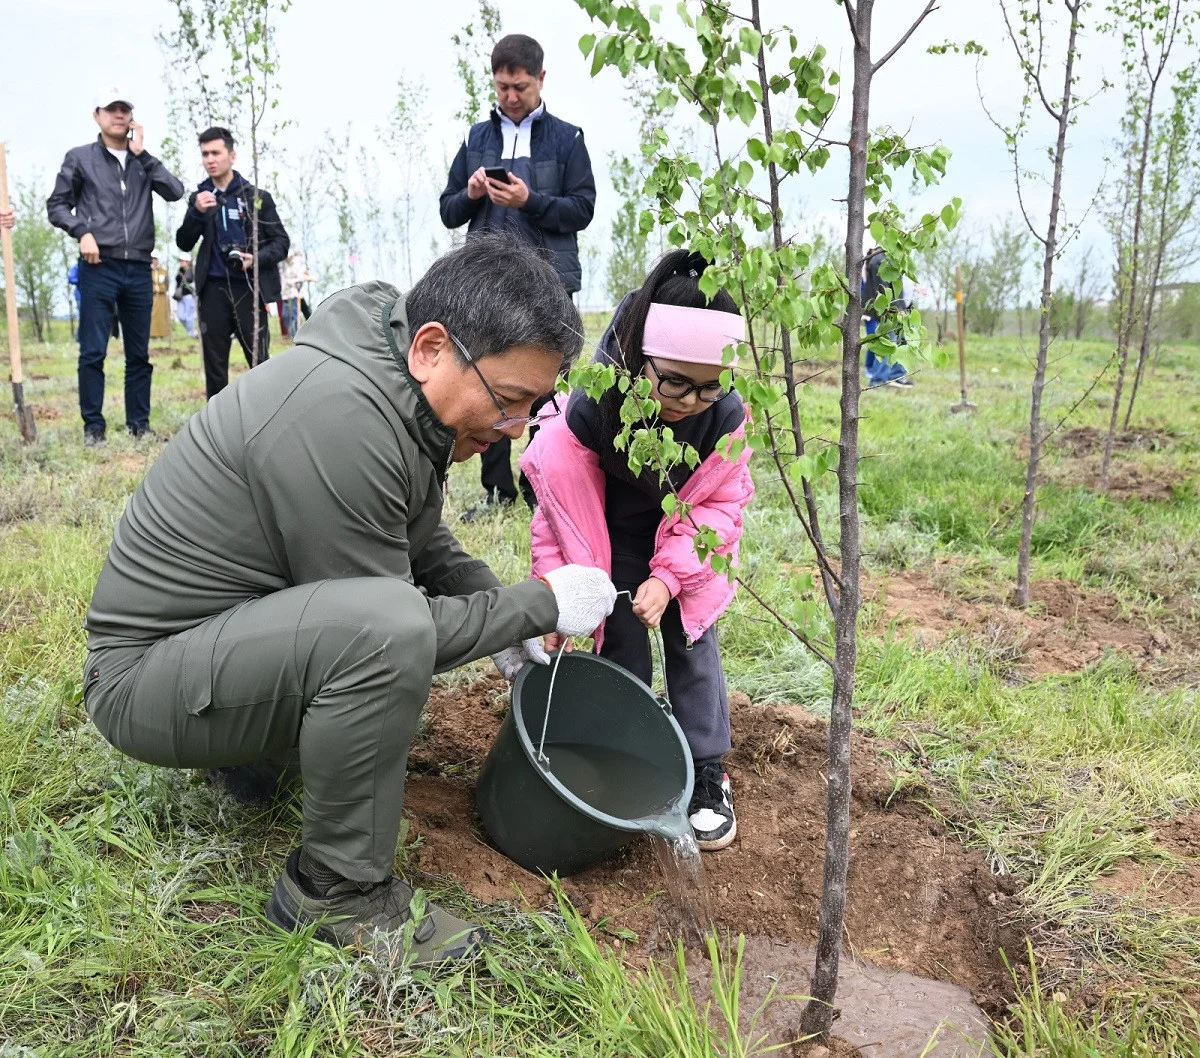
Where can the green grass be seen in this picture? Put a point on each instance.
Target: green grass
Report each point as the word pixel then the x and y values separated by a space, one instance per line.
pixel 130 897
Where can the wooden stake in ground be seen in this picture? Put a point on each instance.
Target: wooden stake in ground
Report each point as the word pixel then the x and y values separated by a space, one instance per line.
pixel 24 412
pixel 965 404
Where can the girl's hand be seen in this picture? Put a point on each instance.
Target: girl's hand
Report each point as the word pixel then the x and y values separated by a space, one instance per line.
pixel 553 640
pixel 650 601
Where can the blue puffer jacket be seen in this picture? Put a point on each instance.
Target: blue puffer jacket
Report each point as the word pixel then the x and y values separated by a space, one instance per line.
pixel 562 191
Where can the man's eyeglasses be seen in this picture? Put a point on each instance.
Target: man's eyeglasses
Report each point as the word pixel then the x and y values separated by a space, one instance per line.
pixel 508 421
pixel 677 388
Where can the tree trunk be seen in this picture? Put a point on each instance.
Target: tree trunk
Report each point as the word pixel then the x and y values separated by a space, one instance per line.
pixel 1125 329
pixel 1029 505
pixel 1155 277
pixel 785 342
pixel 818 1013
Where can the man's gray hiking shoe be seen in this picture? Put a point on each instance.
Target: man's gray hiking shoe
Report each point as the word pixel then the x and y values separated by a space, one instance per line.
pixel 372 917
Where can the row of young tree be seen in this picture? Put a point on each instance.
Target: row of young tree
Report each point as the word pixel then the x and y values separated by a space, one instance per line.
pixel 766 104
pixel 734 114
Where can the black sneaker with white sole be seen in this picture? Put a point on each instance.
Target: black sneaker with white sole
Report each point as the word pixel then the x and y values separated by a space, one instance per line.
pixel 710 810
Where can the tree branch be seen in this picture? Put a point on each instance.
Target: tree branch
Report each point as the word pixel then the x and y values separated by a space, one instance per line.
pixel 852 18
pixel 930 8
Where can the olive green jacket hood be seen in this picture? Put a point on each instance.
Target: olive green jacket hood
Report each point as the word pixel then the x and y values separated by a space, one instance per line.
pixel 325 462
pixel 350 328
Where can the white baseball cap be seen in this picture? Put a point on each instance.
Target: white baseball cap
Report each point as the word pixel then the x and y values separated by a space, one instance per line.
pixel 110 94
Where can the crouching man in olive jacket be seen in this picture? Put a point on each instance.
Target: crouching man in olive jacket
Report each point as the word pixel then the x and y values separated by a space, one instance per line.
pixel 282 580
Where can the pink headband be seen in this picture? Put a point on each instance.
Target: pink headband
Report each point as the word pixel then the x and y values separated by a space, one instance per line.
pixel 694 336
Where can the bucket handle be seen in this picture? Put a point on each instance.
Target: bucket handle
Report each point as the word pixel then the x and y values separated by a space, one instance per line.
pixel 655 638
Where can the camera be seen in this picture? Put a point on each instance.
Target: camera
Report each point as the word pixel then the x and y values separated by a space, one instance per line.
pixel 233 255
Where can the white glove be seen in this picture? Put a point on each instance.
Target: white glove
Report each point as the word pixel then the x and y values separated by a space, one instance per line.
pixel 510 660
pixel 585 596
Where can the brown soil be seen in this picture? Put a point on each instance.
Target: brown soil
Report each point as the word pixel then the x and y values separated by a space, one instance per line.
pixel 1068 629
pixel 1084 440
pixel 1073 457
pixel 1173 882
pixel 916 899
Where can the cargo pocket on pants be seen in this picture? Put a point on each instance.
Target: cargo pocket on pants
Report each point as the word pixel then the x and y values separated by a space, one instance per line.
pixel 198 654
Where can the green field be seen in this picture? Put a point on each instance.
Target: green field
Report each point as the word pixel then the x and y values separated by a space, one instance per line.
pixel 131 897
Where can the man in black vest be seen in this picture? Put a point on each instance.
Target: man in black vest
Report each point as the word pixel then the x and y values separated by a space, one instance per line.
pixel 221 210
pixel 547 195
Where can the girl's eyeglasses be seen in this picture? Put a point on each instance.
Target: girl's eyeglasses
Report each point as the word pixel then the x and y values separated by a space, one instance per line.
pixel 676 388
pixel 508 421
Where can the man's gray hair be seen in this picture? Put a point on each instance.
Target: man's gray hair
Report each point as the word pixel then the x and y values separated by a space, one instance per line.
pixel 494 293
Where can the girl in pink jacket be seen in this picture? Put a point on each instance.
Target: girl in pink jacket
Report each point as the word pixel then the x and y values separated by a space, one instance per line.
pixel 593 510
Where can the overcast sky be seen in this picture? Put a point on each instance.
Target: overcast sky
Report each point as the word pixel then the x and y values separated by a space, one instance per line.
pixel 339 63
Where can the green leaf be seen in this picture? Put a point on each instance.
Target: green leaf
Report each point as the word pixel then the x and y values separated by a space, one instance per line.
pixel 587 42
pixel 746 108
pixel 669 503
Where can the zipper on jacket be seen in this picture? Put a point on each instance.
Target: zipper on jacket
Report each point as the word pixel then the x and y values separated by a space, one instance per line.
pixel 124 210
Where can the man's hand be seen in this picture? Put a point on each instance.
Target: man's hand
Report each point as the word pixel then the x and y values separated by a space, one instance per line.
pixel 511 660
pixel 514 194
pixel 8 217
pixel 205 201
pixel 135 144
pixel 247 261
pixel 477 186
pixel 585 597
pixel 650 601
pixel 88 249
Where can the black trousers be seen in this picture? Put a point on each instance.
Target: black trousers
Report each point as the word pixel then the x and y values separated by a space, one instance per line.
pixel 495 470
pixel 695 678
pixel 226 312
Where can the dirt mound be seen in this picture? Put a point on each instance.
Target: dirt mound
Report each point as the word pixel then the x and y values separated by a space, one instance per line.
pixel 1073 458
pixel 916 899
pixel 1084 440
pixel 1068 629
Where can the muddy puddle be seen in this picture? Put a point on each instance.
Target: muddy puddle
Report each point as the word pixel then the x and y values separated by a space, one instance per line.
pixel 882 1013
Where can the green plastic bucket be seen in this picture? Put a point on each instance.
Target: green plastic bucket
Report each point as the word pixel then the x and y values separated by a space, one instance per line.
pixel 615 765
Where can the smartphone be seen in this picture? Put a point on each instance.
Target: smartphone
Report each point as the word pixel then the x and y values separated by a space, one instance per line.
pixel 497 173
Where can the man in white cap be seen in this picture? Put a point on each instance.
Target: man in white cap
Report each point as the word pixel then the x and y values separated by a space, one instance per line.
pixel 102 198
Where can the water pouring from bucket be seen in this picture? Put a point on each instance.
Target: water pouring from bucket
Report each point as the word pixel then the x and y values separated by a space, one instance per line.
pixel 588 759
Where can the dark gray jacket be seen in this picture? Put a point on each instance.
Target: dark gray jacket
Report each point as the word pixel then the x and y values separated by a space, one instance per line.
pixel 562 191
pixel 92 194
pixel 327 462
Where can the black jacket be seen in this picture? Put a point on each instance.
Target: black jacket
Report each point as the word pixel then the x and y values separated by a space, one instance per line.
pixel 93 194
pixel 273 239
pixel 562 191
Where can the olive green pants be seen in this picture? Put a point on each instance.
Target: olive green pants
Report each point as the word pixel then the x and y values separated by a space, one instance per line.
pixel 339 670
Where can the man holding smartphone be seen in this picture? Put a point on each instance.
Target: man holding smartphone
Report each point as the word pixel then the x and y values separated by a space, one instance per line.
pixel 528 173
pixel 102 198
pixel 222 211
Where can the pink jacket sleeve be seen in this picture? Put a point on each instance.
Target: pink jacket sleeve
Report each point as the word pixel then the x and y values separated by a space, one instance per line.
pixel 543 545
pixel 675 561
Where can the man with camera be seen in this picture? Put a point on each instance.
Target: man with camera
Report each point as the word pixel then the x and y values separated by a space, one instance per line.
pixel 222 213
pixel 102 198
pixel 528 173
